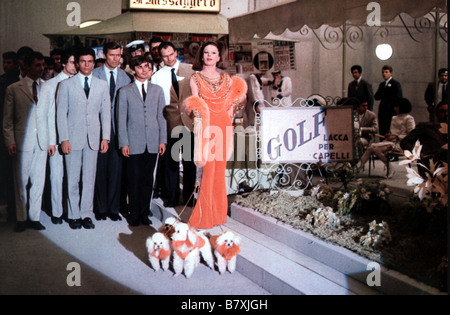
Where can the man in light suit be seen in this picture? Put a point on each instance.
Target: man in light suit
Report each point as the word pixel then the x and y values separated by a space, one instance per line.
pixel 29 132
pixel 56 162
pixel 83 120
pixel 368 122
pixel 389 93
pixel 174 78
pixel 109 165
pixel 142 131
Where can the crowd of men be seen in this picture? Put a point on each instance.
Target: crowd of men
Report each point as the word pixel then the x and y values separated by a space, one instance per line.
pixel 99 124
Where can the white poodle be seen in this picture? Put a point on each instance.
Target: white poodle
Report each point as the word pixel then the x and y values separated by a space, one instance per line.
pixel 187 245
pixel 159 251
pixel 226 248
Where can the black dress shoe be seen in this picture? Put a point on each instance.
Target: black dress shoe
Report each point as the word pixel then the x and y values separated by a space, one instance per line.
pixel 87 224
pixel 146 221
pixel 75 224
pixel 20 227
pixel 100 217
pixel 115 217
pixel 57 220
pixel 37 226
pixel 133 222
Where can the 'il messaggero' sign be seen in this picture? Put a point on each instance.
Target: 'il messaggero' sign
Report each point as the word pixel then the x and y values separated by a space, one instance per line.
pixel 177 5
pixel 306 135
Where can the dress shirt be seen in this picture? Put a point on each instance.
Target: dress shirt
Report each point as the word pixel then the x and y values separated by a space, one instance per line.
pixel 387 81
pixel 163 78
pixel 30 85
pixel 139 86
pixel 83 80
pixel 108 74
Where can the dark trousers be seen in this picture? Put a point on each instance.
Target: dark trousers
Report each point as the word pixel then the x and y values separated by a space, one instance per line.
pixel 171 169
pixel 108 181
pixel 140 169
pixel 385 114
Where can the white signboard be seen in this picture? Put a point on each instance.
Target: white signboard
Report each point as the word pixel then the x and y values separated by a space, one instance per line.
pixel 177 5
pixel 306 134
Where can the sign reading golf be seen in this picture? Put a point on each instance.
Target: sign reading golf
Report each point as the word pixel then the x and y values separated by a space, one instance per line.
pixel 307 134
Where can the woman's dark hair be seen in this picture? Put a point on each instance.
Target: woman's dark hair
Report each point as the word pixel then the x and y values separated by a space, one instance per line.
pixel 405 106
pixel 198 63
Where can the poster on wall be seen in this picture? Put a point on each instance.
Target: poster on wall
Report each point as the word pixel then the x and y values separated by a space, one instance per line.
pixel 263 60
pixel 262 56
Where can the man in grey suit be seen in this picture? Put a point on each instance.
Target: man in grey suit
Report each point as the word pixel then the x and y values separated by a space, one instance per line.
pixel 174 78
pixel 83 120
pixel 29 132
pixel 108 182
pixel 56 162
pixel 142 132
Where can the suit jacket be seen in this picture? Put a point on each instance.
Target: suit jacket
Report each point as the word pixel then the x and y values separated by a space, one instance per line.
pixel 18 105
pixel 122 80
pixel 430 94
pixel 368 124
pixel 79 117
pixel 362 91
pixel 141 125
pixel 390 94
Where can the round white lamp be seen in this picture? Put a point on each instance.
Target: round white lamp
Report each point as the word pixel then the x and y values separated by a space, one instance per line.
pixel 384 51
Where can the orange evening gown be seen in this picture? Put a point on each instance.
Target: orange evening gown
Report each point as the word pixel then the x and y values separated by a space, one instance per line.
pixel 217 98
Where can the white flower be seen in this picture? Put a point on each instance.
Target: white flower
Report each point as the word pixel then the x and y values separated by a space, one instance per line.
pixel 414 155
pixel 346 196
pixel 414 178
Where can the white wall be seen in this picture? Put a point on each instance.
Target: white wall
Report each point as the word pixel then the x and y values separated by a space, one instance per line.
pixel 23 22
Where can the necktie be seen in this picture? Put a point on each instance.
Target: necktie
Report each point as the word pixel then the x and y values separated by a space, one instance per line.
pixel 35 98
pixel 144 95
pixel 175 83
pixel 112 86
pixel 86 86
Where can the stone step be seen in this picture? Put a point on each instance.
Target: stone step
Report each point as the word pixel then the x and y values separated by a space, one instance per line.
pixel 278 268
pixel 282 270
pixel 349 266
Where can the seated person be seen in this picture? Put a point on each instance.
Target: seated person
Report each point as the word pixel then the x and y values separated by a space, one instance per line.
pixel 368 123
pixel 401 125
pixel 434 143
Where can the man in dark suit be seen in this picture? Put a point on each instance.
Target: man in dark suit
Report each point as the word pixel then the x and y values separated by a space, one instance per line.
pixel 430 93
pixel 389 93
pixel 142 133
pixel 11 75
pixel 108 181
pixel 360 88
pixel 174 78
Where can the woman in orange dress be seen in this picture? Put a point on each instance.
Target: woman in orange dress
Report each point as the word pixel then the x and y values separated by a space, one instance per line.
pixel 216 97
